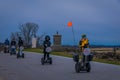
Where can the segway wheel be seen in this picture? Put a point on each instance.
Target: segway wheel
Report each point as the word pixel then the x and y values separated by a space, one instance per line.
pixel 4 50
pixel 88 67
pixel 23 55
pixel 17 56
pixel 77 67
pixel 14 53
pixel 50 59
pixel 10 53
pixel 42 61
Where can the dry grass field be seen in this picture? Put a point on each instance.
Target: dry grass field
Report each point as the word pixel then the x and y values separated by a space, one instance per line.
pixel 105 50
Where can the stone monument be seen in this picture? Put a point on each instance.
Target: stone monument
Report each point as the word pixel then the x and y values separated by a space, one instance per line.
pixel 57 42
pixel 34 42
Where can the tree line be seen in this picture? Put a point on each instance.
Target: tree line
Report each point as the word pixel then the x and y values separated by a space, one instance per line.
pixel 27 31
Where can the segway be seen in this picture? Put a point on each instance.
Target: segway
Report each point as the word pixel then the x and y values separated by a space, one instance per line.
pixel 48 60
pixel 13 50
pixel 76 59
pixel 84 64
pixel 6 49
pixel 20 53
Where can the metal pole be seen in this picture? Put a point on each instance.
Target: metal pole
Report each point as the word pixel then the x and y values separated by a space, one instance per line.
pixel 73 35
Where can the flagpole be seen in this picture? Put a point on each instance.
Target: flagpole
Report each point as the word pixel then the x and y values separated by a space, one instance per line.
pixel 73 35
pixel 71 25
pixel 74 38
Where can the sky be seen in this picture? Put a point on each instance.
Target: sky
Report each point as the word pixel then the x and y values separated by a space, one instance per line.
pixel 98 19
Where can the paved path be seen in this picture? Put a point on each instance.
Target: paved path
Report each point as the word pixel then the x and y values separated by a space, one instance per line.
pixel 62 68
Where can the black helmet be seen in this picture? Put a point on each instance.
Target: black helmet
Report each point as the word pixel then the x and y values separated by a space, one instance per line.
pixel 83 35
pixel 47 37
pixel 19 37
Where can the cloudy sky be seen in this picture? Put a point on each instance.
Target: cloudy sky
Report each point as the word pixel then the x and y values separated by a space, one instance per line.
pixel 99 19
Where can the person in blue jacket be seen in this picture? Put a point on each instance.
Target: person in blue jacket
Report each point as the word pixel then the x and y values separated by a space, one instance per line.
pixel 7 42
pixel 6 46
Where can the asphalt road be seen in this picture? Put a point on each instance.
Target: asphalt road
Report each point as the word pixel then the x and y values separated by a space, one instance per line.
pixel 62 68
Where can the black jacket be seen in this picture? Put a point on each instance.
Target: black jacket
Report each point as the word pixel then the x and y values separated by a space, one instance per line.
pixel 13 43
pixel 46 44
pixel 20 43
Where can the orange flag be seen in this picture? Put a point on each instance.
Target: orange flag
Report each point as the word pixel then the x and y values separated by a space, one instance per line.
pixel 70 24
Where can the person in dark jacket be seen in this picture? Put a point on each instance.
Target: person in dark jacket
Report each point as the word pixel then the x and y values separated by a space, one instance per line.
pixel 46 44
pixel 13 42
pixel 20 45
pixel 20 42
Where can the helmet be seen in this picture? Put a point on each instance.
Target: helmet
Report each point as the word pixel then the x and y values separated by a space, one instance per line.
pixel 83 35
pixel 19 37
pixel 47 37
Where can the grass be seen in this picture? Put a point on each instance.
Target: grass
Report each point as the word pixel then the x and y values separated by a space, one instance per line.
pixel 107 61
pixel 65 54
pixel 62 54
pixel 53 53
pixel 33 50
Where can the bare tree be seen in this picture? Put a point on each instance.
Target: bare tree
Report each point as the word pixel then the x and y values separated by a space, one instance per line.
pixel 27 31
pixel 15 35
pixel 40 40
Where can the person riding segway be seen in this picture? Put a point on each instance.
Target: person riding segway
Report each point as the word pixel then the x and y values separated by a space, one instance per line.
pixel 46 51
pixel 83 43
pixel 84 64
pixel 6 47
pixel 20 48
pixel 13 47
